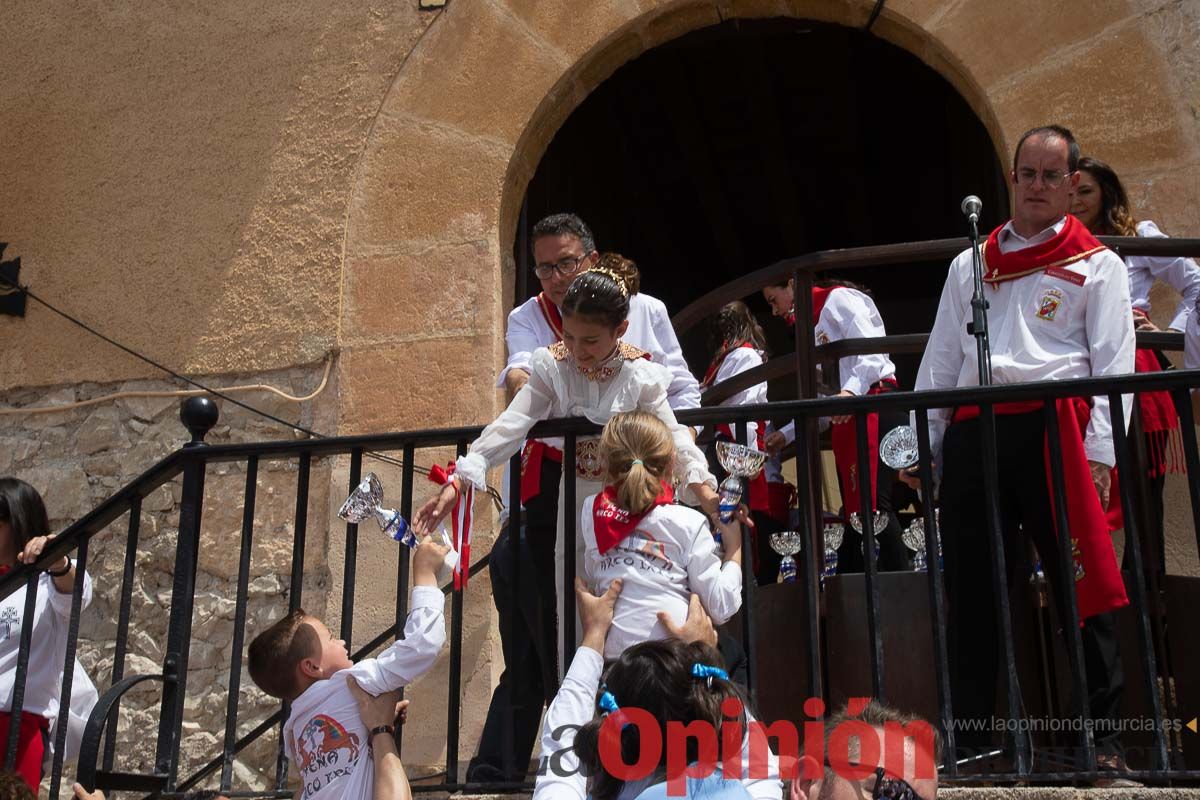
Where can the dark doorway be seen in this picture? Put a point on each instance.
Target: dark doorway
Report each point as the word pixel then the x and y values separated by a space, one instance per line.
pixel 750 141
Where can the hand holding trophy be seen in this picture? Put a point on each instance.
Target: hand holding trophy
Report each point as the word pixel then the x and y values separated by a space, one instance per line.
pixel 366 502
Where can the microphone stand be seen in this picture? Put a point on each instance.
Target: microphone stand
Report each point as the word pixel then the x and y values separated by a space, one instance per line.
pixel 978 326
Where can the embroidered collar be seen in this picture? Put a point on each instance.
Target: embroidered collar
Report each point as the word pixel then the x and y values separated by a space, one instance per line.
pixel 608 367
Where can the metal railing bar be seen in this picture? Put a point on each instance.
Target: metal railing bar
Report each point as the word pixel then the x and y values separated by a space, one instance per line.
pixel 995 531
pixel 749 584
pixel 249 500
pixel 454 679
pixel 407 478
pixel 1125 469
pixel 124 610
pixel 937 596
pixel 866 480
pixel 1066 580
pixel 567 624
pixel 295 591
pixel 1191 454
pixel 64 709
pixel 507 756
pixel 814 556
pixel 351 558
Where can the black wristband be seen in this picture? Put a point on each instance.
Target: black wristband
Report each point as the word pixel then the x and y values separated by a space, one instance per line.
pixel 390 730
pixel 61 572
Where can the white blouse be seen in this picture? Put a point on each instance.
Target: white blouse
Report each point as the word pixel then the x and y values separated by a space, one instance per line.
pixel 668 557
pixel 1179 273
pixel 850 314
pixel 558 388
pixel 737 361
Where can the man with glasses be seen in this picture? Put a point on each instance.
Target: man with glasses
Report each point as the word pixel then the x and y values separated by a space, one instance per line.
pixel 915 778
pixel 563 246
pixel 1058 308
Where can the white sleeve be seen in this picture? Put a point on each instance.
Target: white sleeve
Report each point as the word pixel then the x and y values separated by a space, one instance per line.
pixel 561 777
pixel 684 391
pixel 857 318
pixel 735 363
pixel 690 464
pixel 789 431
pixel 718 585
pixel 521 339
pixel 1180 273
pixel 60 602
pixel 943 358
pixel 414 655
pixel 1191 341
pixel 504 437
pixel 1111 348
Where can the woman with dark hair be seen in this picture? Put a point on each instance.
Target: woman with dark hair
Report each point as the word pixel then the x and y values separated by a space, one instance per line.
pixel 24 534
pixel 591 373
pixel 675 681
pixel 843 310
pixel 1102 205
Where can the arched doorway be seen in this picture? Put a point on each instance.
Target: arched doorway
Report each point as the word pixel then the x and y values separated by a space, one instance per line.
pixel 749 141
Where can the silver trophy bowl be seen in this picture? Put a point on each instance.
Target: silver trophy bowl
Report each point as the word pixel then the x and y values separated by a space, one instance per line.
pixel 739 460
pixel 365 502
pixel 898 449
pixel 879 522
pixel 787 544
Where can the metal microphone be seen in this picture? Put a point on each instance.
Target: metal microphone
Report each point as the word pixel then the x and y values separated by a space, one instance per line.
pixel 971 206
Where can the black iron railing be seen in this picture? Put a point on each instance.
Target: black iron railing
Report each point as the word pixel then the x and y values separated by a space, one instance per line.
pixel 1166 761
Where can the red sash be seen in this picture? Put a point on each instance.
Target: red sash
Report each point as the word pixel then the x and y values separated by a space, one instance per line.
pixel 845 454
pixel 1098 584
pixel 614 523
pixel 1159 420
pixel 552 315
pixel 1073 243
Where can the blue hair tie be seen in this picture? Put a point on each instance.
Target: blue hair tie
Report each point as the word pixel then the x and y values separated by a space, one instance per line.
pixel 707 673
pixel 608 704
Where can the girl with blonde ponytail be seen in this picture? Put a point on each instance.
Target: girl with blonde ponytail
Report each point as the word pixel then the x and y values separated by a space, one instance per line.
pixel 662 552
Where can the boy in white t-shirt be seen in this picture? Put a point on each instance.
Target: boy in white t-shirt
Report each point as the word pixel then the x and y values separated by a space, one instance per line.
pixel 662 552
pixel 295 659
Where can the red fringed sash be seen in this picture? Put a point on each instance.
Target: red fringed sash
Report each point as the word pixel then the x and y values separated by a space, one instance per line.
pixel 1073 243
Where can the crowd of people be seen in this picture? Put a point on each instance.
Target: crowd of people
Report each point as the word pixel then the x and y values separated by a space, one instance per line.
pixel 659 571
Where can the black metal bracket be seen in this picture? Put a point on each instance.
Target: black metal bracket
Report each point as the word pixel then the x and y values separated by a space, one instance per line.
pixel 12 296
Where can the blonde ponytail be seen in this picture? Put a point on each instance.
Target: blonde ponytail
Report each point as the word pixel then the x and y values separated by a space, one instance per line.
pixel 638 452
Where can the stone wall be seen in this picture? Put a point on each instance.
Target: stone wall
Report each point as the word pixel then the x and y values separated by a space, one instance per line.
pixel 77 458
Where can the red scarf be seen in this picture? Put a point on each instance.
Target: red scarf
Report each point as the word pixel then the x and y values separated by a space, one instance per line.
pixel 614 523
pixel 1098 584
pixel 1159 421
pixel 713 368
pixel 820 295
pixel 845 454
pixel 1073 243
pixel 552 314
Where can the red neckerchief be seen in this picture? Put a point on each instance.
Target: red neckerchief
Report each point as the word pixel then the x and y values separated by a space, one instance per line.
pixel 1073 243
pixel 552 314
pixel 5 569
pixel 718 360
pixel 820 297
pixel 614 523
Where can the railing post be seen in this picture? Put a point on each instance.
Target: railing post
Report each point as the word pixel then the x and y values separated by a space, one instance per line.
pixel 199 415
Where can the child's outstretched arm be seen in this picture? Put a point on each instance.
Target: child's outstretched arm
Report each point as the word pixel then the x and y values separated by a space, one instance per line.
pixel 424 631
pixel 717 582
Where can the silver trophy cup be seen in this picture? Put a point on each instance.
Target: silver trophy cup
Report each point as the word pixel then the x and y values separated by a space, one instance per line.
pixel 898 448
pixel 740 462
pixel 365 502
pixel 787 544
pixel 832 538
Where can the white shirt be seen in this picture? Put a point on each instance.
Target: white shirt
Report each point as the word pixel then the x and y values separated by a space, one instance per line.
pixel 851 314
pixel 1088 332
pixel 575 705
pixel 47 649
pixel 557 388
pixel 1179 273
pixel 736 362
pixel 649 328
pixel 669 556
pixel 325 737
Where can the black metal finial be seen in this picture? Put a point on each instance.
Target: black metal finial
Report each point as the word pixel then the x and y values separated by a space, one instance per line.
pixel 199 415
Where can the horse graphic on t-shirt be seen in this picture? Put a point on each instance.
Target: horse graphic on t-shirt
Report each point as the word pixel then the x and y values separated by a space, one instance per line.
pixel 325 736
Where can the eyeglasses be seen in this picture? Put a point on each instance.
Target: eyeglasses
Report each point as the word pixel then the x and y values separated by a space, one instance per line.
pixel 1027 176
pixel 887 788
pixel 565 268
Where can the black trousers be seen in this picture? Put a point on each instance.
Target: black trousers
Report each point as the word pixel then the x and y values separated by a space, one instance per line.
pixel 527 637
pixel 973 638
pixel 890 497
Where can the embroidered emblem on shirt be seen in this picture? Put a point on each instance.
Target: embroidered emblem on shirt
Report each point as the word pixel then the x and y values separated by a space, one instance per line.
pixel 1048 307
pixel 1077 557
pixel 322 743
pixel 8 618
pixel 822 337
